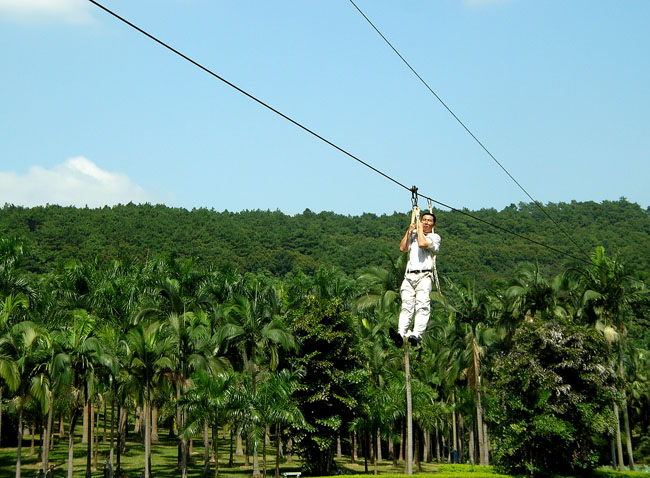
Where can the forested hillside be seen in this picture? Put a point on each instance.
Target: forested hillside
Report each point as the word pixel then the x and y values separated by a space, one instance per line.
pixel 275 242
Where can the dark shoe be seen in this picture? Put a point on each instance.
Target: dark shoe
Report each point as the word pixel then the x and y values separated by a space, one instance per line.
pixel 397 339
pixel 414 341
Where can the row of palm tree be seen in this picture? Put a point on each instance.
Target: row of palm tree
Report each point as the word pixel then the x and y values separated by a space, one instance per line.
pixel 147 335
pixel 470 325
pixel 215 347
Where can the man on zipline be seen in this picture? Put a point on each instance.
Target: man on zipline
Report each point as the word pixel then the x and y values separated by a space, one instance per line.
pixel 421 243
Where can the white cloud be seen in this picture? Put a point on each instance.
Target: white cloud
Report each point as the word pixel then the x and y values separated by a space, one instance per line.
pixel 77 182
pixel 73 11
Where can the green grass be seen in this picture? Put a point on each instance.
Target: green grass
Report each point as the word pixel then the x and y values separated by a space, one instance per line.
pixel 163 462
pixel 163 459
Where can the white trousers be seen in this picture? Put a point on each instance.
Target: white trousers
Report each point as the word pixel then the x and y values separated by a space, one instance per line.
pixel 415 293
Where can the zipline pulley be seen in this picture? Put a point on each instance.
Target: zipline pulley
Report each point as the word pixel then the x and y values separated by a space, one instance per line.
pixel 414 196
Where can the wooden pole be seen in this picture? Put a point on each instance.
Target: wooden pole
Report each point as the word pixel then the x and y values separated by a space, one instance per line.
pixel 409 412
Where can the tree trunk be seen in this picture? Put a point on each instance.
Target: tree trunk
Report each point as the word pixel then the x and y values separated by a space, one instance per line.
pixel 266 429
pixel 149 435
pixel 61 427
pixel 147 438
pixel 179 427
pixel 112 448
pixel 374 454
pixel 239 447
pixel 353 454
pixel 154 425
pixel 230 457
pixel 0 416
pixel 379 455
pixel 73 422
pixel 206 450
pixel 472 445
pixel 289 449
pixel 278 436
pixel 95 418
pixel 448 447
pixel 47 438
pixel 416 451
pixel 215 446
pixel 339 453
pixel 70 452
pixel 365 447
pixel 256 461
pixel 138 425
pixel 628 435
pixel 461 434
pixel 427 444
pixel 626 419
pixel 32 431
pixel 479 426
pixel 20 440
pixel 402 442
pixel 487 444
pixel 438 456
pixel 619 445
pixel 84 423
pixel 454 450
pixel 184 456
pixel 89 439
pixel 122 420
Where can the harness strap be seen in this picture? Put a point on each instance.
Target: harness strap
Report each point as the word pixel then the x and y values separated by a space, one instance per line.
pixel 435 269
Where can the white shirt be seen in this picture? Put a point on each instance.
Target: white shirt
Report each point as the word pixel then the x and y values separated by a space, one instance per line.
pixel 422 258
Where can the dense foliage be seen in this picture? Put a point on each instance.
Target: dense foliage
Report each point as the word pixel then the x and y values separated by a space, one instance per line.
pixel 554 390
pixel 272 241
pixel 260 324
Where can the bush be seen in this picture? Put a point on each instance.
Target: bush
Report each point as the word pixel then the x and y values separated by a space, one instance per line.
pixel 555 389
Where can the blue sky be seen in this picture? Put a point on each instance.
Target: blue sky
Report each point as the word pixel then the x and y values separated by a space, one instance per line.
pixel 94 113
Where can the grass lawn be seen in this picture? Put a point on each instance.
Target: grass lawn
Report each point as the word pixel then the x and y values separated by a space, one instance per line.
pixel 163 462
pixel 163 459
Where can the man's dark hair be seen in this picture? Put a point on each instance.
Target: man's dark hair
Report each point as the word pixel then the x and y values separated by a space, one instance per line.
pixel 429 214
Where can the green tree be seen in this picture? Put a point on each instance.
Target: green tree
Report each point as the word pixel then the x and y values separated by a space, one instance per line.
pixel 28 346
pixel 80 353
pixel 150 351
pixel 474 310
pixel 609 293
pixel 554 389
pixel 333 384
pixel 257 332
pixel 211 401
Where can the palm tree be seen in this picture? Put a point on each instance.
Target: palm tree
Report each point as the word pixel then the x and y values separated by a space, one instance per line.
pixel 116 294
pixel 609 292
pixel 28 345
pixel 80 353
pixel 12 281
pixel 176 302
pixel 273 406
pixel 150 350
pixel 16 295
pixel 380 287
pixel 8 368
pixel 257 333
pixel 210 401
